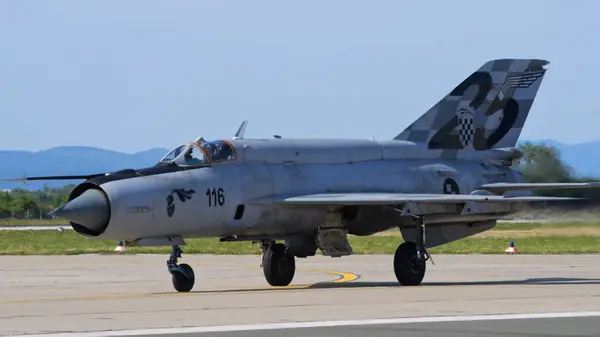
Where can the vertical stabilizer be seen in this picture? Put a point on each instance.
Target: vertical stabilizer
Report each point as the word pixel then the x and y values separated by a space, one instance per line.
pixel 487 110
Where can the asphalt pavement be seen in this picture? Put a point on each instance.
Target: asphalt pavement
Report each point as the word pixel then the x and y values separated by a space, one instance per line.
pixel 547 327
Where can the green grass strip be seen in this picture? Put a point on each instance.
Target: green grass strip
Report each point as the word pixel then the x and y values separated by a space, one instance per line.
pixel 70 243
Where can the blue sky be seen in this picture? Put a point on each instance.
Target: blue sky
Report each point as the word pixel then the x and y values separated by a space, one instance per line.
pixel 131 75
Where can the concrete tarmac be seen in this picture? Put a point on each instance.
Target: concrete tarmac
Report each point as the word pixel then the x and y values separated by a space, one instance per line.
pixel 546 327
pixel 94 293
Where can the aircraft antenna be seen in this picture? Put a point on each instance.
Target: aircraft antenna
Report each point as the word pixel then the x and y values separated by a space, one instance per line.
pixel 241 130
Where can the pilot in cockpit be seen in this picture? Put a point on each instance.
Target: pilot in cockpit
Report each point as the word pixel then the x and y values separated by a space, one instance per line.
pixel 210 150
pixel 218 151
pixel 222 152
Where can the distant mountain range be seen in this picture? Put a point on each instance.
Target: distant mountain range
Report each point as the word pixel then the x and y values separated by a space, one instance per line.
pixel 68 160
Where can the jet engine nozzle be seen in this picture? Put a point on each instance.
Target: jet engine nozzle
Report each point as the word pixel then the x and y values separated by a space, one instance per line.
pixel 88 212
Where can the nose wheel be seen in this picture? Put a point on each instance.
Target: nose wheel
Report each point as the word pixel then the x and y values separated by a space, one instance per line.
pixel 182 274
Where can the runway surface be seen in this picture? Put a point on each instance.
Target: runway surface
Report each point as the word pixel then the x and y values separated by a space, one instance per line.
pixel 568 327
pixel 95 293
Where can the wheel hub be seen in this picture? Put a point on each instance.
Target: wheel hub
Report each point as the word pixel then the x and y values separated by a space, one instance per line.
pixel 414 265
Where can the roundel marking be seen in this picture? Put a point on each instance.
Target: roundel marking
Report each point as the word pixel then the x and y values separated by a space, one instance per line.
pixel 450 186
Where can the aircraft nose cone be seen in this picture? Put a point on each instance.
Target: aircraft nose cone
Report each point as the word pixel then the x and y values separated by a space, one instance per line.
pixel 89 210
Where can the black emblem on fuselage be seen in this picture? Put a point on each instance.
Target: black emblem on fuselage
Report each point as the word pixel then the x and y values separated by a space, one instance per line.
pixel 450 186
pixel 182 194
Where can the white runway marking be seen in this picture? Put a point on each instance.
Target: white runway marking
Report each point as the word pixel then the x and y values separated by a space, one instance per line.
pixel 280 326
pixel 35 228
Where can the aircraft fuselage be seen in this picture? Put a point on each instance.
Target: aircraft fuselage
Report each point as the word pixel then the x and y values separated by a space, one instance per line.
pixel 220 200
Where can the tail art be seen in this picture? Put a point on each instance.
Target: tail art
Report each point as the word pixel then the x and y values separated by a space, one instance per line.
pixel 487 110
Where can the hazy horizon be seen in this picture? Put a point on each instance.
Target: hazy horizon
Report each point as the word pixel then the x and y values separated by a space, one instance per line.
pixel 129 76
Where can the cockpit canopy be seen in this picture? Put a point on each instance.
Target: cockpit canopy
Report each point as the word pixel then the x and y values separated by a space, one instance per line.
pixel 201 154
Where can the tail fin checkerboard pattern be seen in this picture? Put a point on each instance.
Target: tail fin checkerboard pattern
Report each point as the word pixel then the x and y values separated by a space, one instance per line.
pixel 487 110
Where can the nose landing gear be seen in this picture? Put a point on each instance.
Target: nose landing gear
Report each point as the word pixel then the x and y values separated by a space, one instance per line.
pixel 183 274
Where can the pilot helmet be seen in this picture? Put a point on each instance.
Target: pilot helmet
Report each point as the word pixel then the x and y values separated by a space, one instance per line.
pixel 210 149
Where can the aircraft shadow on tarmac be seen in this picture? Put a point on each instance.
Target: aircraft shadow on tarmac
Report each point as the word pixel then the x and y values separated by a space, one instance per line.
pixel 530 281
pixel 361 284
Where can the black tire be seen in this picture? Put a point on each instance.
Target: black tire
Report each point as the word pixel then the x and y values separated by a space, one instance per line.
pixel 408 269
pixel 278 267
pixel 183 278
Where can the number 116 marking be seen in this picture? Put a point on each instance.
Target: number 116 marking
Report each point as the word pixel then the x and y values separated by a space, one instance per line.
pixel 216 197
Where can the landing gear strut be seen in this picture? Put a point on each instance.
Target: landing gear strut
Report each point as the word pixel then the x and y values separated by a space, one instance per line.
pixel 278 267
pixel 183 274
pixel 411 257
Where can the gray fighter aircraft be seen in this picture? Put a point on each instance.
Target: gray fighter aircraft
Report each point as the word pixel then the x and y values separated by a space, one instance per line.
pixel 447 176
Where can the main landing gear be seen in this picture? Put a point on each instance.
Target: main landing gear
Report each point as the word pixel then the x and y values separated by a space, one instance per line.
pixel 411 257
pixel 279 267
pixel 183 274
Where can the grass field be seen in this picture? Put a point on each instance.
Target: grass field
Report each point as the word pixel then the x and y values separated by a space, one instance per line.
pixel 530 238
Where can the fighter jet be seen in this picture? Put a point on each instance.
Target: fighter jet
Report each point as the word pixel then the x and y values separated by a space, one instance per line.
pixel 447 176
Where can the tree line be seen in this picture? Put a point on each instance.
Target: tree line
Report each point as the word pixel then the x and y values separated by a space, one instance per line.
pixel 540 164
pixel 44 200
